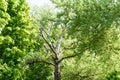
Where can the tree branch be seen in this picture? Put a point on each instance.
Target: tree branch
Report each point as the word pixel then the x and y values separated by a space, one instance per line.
pixel 48 63
pixel 37 61
pixel 67 57
pixel 59 40
pixel 46 48
pixel 64 49
pixel 50 46
pixel 47 36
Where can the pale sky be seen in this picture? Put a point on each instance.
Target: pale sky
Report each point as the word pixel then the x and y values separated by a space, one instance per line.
pixel 40 2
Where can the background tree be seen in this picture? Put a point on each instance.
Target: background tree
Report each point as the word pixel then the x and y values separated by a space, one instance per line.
pixel 16 38
pixel 36 62
pixel 46 24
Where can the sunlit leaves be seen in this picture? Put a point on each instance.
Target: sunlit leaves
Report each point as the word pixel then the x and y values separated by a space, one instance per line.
pixel 94 24
pixel 16 37
pixel 91 22
pixel 3 5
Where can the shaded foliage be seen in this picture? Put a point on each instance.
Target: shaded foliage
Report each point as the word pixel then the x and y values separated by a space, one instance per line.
pixel 114 75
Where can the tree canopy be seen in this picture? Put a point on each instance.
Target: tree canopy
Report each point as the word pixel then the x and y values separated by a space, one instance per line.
pixel 16 38
pixel 75 40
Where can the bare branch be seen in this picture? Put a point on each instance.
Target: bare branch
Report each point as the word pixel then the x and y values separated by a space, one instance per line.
pixel 45 48
pixel 48 43
pixel 47 36
pixel 38 61
pixel 67 57
pixel 59 40
pixel 48 63
pixel 65 48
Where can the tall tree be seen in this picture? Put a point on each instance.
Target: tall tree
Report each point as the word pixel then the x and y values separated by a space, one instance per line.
pixel 93 24
pixel 80 26
pixel 16 38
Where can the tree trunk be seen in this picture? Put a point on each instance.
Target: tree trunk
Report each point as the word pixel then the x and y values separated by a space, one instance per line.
pixel 57 71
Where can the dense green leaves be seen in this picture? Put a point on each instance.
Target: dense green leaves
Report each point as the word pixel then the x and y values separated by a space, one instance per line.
pixel 95 24
pixel 4 16
pixel 36 68
pixel 16 37
pixel 114 75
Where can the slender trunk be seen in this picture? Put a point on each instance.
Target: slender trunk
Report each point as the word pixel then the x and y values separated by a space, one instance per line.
pixel 57 71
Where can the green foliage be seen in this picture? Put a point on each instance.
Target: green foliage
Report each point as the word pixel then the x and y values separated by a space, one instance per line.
pixel 37 68
pixel 16 37
pixel 93 21
pixel 93 24
pixel 92 27
pixel 89 67
pixel 39 71
pixel 114 75
pixel 4 16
